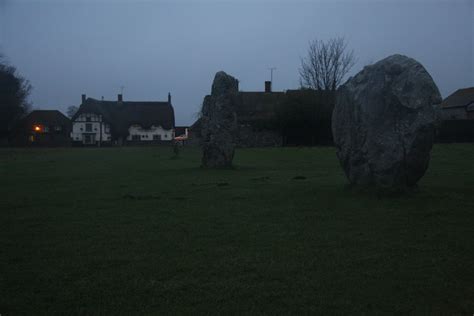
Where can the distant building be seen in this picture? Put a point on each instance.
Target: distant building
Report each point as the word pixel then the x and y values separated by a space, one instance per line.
pixel 459 105
pixel 457 114
pixel 49 128
pixel 256 117
pixel 276 118
pixel 181 133
pixel 99 122
pixel 259 106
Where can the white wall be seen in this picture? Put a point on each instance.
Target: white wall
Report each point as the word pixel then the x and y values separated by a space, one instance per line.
pixel 148 134
pixel 79 127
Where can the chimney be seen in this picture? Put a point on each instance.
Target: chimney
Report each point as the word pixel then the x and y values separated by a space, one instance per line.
pixel 169 98
pixel 83 98
pixel 268 86
pixel 119 97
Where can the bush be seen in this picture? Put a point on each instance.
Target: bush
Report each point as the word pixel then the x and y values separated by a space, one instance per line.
pixel 305 117
pixel 455 131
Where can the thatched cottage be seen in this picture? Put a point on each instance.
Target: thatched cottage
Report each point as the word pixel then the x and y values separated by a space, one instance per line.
pixel 99 122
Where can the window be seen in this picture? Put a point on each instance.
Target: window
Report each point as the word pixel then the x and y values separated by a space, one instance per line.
pixel 88 118
pixel 88 127
pixel 135 137
pixel 156 137
pixel 166 136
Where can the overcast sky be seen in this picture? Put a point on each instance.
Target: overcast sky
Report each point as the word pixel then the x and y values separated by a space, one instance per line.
pixel 66 48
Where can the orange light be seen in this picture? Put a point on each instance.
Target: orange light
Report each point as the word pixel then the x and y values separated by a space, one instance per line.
pixel 37 128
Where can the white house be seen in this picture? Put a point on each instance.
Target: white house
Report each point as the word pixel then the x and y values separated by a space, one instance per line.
pixel 137 132
pixel 89 129
pixel 99 122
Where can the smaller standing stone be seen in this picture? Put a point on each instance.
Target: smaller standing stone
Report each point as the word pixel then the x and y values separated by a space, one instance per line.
pixel 219 122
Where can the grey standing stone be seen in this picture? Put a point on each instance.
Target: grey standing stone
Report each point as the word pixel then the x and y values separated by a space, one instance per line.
pixel 219 122
pixel 384 123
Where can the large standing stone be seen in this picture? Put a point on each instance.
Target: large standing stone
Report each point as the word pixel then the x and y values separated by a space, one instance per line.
pixel 219 122
pixel 384 123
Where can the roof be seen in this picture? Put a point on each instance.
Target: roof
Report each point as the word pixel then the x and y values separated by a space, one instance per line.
pixel 47 117
pixel 263 106
pixel 253 106
pixel 121 114
pixel 460 98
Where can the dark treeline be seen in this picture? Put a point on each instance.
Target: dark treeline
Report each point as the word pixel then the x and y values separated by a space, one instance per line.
pixel 455 131
pixel 304 118
pixel 14 92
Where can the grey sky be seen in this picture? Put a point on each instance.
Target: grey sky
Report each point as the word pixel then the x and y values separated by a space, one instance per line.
pixel 66 48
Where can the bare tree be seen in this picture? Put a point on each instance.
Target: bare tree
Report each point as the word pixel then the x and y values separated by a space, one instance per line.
pixel 326 65
pixel 71 110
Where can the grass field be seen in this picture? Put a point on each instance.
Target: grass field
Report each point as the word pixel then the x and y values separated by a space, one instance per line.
pixel 131 230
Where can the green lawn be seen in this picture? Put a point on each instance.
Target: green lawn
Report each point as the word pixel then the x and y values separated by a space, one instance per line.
pixel 133 231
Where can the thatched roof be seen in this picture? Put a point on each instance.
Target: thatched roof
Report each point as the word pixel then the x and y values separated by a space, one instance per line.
pixel 257 108
pixel 252 106
pixel 122 114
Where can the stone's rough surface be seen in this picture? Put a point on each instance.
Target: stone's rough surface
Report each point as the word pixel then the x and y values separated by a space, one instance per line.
pixel 384 123
pixel 219 122
pixel 224 84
